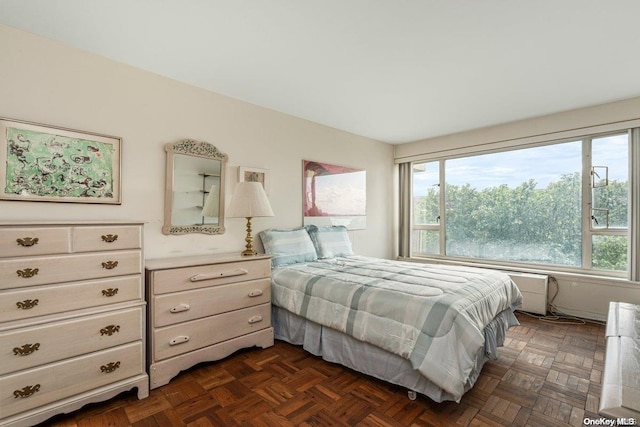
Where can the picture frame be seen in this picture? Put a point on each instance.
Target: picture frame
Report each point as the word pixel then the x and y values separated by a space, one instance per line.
pixel 52 164
pixel 334 195
pixel 249 174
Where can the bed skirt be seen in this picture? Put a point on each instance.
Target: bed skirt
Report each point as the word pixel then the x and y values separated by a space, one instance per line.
pixel 336 347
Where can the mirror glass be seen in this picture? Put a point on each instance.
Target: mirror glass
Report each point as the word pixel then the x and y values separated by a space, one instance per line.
pixel 194 194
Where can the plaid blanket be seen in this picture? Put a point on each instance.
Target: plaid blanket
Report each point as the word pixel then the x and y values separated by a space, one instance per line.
pixel 432 315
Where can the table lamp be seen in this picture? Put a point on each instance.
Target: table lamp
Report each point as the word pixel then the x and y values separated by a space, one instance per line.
pixel 249 200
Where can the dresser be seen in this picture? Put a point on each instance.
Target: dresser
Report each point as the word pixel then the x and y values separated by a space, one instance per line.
pixel 204 308
pixel 620 392
pixel 72 317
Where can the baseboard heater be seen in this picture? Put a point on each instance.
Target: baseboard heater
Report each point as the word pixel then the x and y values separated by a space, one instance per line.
pixel 534 289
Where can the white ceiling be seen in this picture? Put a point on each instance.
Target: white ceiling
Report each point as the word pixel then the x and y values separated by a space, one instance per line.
pixel 391 70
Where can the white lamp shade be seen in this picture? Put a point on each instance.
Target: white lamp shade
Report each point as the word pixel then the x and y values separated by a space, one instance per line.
pixel 211 207
pixel 248 201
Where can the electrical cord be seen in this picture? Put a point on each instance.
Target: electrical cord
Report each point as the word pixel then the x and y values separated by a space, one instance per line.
pixel 555 316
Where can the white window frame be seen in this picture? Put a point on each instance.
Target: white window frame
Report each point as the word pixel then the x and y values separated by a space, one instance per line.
pixel 439 227
pixel 586 135
pixel 588 231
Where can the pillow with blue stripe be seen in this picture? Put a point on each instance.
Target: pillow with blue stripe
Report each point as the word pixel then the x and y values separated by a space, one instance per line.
pixel 288 246
pixel 331 241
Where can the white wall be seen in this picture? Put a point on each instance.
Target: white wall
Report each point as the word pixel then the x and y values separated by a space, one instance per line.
pixel 578 294
pixel 614 112
pixel 45 82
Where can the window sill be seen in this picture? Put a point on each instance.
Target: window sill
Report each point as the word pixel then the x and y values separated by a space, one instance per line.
pixel 558 273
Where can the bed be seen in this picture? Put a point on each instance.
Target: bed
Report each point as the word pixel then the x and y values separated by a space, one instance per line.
pixel 426 327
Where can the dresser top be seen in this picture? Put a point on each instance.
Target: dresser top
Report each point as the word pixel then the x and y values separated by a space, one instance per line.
pixel 23 223
pixel 194 260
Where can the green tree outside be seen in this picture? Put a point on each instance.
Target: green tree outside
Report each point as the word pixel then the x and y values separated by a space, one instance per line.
pixel 525 223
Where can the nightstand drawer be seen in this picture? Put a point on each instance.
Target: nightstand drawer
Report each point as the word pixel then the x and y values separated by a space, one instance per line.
pixel 29 347
pixel 181 279
pixel 106 238
pixel 49 383
pixel 41 300
pixel 170 309
pixel 34 241
pixel 188 336
pixel 56 269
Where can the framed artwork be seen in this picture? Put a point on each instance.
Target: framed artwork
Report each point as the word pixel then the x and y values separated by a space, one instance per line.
pixel 254 175
pixel 334 195
pixel 45 163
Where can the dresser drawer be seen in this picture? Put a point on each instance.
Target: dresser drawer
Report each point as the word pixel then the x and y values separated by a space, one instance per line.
pixel 41 300
pixel 180 279
pixel 29 347
pixel 57 269
pixel 106 238
pixel 188 336
pixel 39 386
pixel 31 241
pixel 189 305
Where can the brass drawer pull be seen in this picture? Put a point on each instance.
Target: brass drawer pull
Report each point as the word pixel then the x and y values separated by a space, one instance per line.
pixel 110 330
pixel 27 391
pixel 109 238
pixel 27 304
pixel 109 367
pixel 109 292
pixel 27 241
pixel 110 265
pixel 26 349
pixel 27 272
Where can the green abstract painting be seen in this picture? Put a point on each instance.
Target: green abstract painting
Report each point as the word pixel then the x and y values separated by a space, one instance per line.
pixel 54 166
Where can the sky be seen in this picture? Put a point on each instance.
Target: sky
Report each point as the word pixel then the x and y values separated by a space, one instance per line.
pixel 543 164
pixel 341 193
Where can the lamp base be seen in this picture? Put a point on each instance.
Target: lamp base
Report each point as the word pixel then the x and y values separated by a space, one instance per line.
pixel 249 247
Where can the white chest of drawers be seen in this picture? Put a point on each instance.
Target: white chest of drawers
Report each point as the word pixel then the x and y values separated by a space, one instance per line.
pixel 72 317
pixel 204 308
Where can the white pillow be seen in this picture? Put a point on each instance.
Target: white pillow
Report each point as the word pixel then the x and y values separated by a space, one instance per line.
pixel 331 241
pixel 288 246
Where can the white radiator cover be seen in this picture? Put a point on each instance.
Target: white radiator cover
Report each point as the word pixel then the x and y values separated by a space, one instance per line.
pixel 534 289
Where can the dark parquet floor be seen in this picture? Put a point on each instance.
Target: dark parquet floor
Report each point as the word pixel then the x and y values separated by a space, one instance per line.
pixel 547 375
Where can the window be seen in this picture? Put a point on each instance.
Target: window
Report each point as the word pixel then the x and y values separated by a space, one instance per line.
pixel 564 204
pixel 609 184
pixel 425 237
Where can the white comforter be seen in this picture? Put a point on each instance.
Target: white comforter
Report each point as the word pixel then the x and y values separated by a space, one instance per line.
pixel 431 315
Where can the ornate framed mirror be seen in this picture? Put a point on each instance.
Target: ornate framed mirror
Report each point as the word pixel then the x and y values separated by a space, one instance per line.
pixel 194 189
